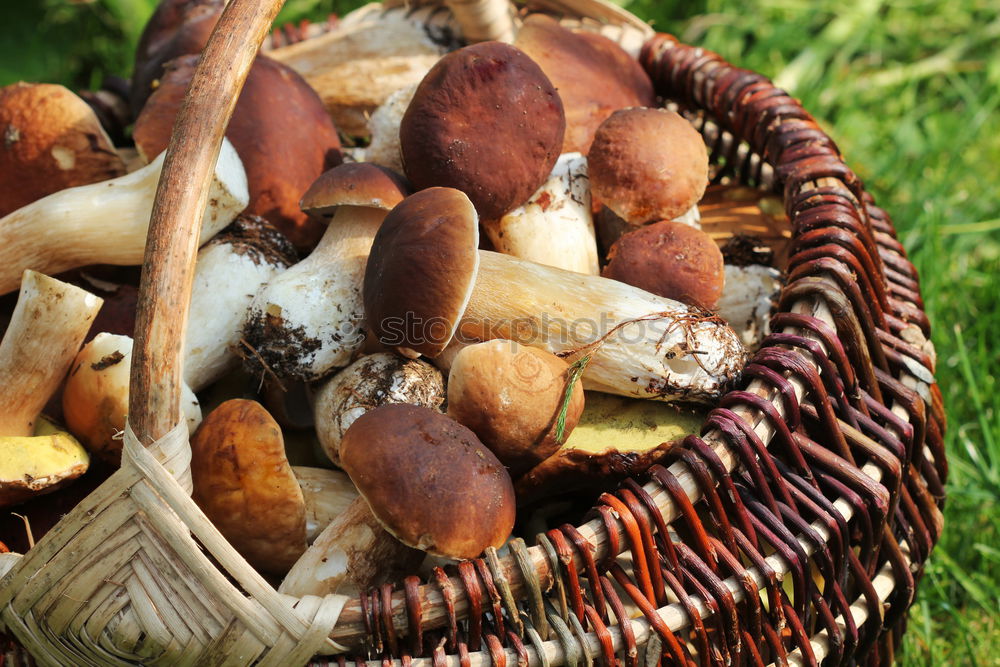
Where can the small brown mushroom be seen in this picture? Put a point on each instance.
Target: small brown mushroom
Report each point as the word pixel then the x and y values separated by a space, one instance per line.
pixel 243 483
pixel 279 129
pixel 429 480
pixel 50 140
pixel 670 259
pixel 513 397
pixel 487 121
pixel 647 164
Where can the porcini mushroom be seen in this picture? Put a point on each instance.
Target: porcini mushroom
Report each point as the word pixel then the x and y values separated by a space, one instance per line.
pixel 243 483
pixel 751 292
pixel 522 402
pixel 371 381
pixel 307 320
pixel 647 164
pixel 327 494
pixel 46 329
pixel 425 280
pixel 672 260
pixel 105 223
pixel 594 76
pixel 51 140
pixel 555 226
pixel 487 121
pixel 279 128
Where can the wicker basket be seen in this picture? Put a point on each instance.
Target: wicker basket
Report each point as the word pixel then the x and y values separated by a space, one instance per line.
pixel 794 529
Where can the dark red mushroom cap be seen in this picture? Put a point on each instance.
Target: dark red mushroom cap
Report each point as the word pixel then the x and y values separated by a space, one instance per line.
pixel 421 271
pixel 487 121
pixel 429 480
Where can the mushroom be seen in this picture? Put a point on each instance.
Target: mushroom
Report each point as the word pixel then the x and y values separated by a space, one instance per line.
pixel 520 401
pixel 425 280
pixel 371 54
pixel 383 125
pixel 554 227
pixel 105 223
pixel 95 398
pixel 746 303
pixel 279 129
pixel 672 260
pixel 244 485
pixel 326 493
pixel 594 76
pixel 647 164
pixel 307 320
pixel 615 438
pixel 229 271
pixel 444 137
pixel 46 329
pixel 372 381
pixel 51 140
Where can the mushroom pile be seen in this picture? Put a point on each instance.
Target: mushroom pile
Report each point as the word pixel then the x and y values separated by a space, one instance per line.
pixel 516 284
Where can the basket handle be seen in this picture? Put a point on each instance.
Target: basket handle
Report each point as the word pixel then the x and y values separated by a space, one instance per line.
pixel 181 197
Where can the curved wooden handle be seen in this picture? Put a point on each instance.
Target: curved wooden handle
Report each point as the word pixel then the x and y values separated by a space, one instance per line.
pixel 181 197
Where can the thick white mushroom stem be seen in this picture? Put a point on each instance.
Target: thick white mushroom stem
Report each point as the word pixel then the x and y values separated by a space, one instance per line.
pixel 640 345
pixel 353 553
pixel 555 226
pixel 327 494
pixel 105 223
pixel 229 271
pixel 46 330
pixel 307 320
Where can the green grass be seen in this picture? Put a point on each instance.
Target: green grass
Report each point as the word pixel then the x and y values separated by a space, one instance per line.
pixel 910 90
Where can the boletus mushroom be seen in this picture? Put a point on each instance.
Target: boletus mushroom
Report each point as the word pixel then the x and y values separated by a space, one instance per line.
pixel 426 280
pixel 307 320
pixel 520 401
pixel 46 329
pixel 51 140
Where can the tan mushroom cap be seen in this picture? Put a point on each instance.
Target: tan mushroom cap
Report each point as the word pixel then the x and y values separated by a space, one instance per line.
pixel 354 184
pixel 280 130
pixel 670 259
pixel 511 396
pixel 594 76
pixel 421 271
pixel 429 480
pixel 244 484
pixel 50 139
pixel 648 164
pixel 487 121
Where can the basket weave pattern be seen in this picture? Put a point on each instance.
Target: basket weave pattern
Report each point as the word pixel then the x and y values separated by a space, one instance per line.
pixel 795 527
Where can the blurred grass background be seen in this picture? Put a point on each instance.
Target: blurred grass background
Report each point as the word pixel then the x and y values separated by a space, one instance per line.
pixel 910 90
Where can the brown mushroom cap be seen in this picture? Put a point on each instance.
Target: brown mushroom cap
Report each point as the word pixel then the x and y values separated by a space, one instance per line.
pixel 50 140
pixel 280 130
pixel 177 28
pixel 429 480
pixel 243 483
pixel 485 120
pixel 354 184
pixel 648 164
pixel 421 270
pixel 594 76
pixel 670 259
pixel 511 395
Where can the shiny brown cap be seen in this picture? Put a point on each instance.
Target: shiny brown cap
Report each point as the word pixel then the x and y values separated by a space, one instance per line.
pixel 421 271
pixel 487 121
pixel 429 480
pixel 648 164
pixel 670 259
pixel 594 76
pixel 354 184
pixel 50 139
pixel 244 484
pixel 280 130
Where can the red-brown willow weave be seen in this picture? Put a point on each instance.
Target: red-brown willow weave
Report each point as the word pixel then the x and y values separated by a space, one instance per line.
pixel 845 253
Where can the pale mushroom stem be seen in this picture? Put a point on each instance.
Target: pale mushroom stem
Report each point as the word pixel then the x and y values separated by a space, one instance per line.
pixel 46 330
pixel 641 345
pixel 106 222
